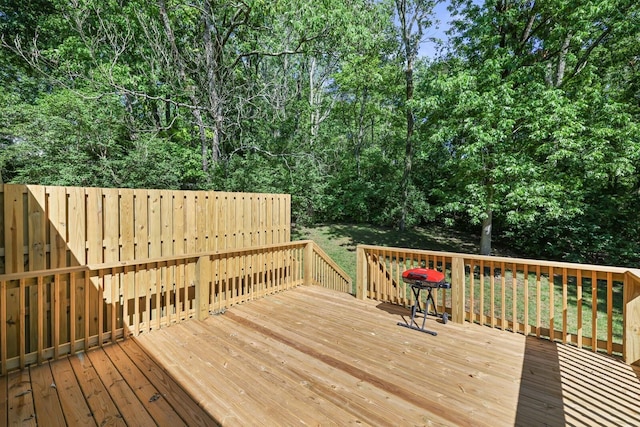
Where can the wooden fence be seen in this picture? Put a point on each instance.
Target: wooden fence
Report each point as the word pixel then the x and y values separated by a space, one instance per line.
pixel 55 227
pixel 585 305
pixel 49 314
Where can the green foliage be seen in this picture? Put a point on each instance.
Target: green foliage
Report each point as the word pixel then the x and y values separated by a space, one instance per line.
pixel 532 117
pixel 365 197
pixel 66 139
pixel 530 129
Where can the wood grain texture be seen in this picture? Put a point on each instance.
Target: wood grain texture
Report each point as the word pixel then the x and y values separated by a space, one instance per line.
pixel 130 408
pixel 74 406
pixel 20 400
pixel 313 356
pixel 188 409
pixel 333 359
pixel 4 420
pixel 54 227
pixel 45 396
pixel 103 409
pixel 124 387
pixel 152 401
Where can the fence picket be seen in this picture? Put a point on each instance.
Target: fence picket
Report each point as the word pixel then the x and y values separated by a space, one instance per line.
pixel 46 227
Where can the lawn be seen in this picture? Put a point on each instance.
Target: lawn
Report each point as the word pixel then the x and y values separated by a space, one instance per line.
pixel 340 240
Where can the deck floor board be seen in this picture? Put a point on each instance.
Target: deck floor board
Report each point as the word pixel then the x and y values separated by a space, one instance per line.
pixel 314 339
pixel 4 401
pixel 75 406
pixel 45 396
pixel 153 401
pixel 130 408
pixel 20 399
pixel 311 356
pixel 181 402
pixel 103 409
pixel 90 389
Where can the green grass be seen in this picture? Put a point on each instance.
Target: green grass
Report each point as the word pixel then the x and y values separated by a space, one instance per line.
pixel 545 312
pixel 339 241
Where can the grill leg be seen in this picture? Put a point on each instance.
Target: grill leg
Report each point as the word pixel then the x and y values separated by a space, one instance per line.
pixel 415 308
pixel 433 302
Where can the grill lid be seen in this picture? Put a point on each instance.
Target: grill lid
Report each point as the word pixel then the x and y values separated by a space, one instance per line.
pixel 423 275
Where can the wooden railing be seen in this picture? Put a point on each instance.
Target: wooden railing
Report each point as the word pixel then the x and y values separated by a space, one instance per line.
pixel 325 272
pixel 589 306
pixel 48 314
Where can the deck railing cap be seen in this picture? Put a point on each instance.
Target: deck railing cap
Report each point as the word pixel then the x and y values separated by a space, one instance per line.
pixel 510 260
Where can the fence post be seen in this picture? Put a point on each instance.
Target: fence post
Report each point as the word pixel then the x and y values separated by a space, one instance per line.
pixel 631 313
pixel 361 273
pixel 457 290
pixel 308 263
pixel 203 278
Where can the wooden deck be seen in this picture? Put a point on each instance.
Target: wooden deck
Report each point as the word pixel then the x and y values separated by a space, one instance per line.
pixel 116 386
pixel 311 356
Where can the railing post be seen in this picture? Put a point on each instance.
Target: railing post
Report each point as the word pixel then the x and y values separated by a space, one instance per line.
pixel 361 273
pixel 203 276
pixel 457 290
pixel 631 313
pixel 308 263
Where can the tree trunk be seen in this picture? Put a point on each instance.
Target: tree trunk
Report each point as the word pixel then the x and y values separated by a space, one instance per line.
pixel 182 73
pixel 216 141
pixel 412 16
pixel 167 112
pixel 408 157
pixel 485 238
pixel 562 60
pixel 203 139
pixel 213 59
pixel 313 119
pixel 361 130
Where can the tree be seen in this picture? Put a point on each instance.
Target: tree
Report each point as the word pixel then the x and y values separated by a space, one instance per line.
pixel 414 16
pixel 69 140
pixel 198 57
pixel 512 99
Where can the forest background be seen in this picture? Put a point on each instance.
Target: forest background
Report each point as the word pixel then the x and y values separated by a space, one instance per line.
pixel 523 126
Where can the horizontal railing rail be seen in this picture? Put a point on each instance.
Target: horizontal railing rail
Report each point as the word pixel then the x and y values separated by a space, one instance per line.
pixel 49 314
pixel 585 305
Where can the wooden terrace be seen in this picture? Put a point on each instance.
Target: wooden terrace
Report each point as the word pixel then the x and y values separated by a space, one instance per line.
pixel 148 307
pixel 313 356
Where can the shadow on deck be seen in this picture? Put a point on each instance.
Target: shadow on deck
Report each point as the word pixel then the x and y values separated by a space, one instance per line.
pixel 315 356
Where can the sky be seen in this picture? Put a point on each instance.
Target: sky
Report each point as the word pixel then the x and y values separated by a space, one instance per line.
pixel 428 49
pixel 441 14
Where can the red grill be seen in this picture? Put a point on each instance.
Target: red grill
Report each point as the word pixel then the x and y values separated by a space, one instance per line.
pixel 421 279
pixel 422 275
